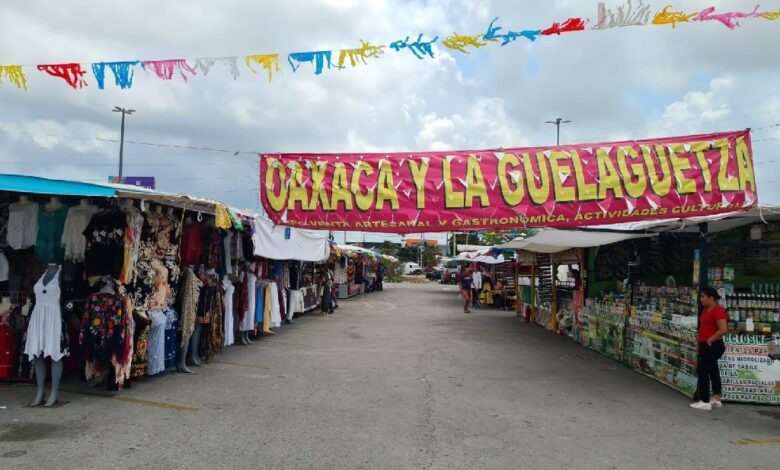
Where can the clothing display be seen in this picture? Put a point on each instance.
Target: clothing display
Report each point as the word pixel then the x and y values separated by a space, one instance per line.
pixel 191 245
pixel 119 271
pixel 227 300
pixel 46 336
pixel 156 344
pixel 171 337
pixel 22 228
pixel 73 238
pixel 104 338
pixel 104 254
pixel 248 323
pixel 190 293
pixel 48 242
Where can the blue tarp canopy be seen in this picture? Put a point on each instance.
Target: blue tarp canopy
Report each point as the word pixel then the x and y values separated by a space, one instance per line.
pixel 38 185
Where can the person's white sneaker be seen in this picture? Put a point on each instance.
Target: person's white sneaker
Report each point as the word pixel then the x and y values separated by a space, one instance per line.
pixel 700 405
pixel 716 403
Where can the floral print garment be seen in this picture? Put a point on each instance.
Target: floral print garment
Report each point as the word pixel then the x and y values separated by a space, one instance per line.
pixel 105 236
pixel 103 333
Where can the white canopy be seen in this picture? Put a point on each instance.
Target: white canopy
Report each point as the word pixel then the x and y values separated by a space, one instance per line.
pixel 462 248
pixel 554 241
pixel 279 242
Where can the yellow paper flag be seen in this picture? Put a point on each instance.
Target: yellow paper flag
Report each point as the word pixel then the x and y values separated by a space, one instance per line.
pixel 269 62
pixel 15 75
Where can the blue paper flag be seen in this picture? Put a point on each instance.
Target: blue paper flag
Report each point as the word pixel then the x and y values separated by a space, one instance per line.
pixel 123 73
pixel 492 34
pixel 317 58
pixel 419 48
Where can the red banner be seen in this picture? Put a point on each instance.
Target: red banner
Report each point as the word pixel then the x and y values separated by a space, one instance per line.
pixel 564 186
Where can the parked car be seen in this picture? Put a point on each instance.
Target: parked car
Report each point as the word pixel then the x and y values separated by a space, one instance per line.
pixel 411 268
pixel 450 276
pixel 434 272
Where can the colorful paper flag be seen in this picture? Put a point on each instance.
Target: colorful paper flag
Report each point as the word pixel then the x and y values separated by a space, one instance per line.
pixel 15 75
pixel 72 73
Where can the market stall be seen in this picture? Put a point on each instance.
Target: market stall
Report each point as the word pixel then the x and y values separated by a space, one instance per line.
pixel 140 281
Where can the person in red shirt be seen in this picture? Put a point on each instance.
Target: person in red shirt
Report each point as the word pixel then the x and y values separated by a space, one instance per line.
pixel 712 328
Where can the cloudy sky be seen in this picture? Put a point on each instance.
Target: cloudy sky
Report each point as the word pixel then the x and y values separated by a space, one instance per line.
pixel 621 83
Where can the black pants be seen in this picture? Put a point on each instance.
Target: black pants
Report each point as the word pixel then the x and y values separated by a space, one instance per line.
pixel 474 297
pixel 708 371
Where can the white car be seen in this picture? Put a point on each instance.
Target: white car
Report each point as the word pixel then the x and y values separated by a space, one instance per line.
pixel 412 268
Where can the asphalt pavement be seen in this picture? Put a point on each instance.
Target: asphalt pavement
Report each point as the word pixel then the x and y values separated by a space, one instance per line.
pixel 397 379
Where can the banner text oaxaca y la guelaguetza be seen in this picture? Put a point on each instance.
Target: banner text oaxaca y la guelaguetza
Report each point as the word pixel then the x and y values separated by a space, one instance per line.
pixel 564 186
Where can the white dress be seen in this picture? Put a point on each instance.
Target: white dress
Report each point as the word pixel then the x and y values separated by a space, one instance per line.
pixel 249 316
pixel 276 313
pixel 227 300
pixel 45 329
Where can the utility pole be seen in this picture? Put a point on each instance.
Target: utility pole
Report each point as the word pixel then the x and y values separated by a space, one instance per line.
pixel 124 111
pixel 557 123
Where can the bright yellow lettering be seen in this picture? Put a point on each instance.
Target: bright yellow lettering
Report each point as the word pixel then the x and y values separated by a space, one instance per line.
pixel 680 164
pixel 318 192
pixel 609 179
pixel 699 148
pixel 562 193
pixel 385 190
pixel 297 192
pixel 745 165
pixel 452 199
pixel 585 191
pixel 274 167
pixel 475 184
pixel 340 190
pixel 418 176
pixel 634 188
pixel 512 192
pixel 363 201
pixel 726 182
pixel 539 193
pixel 661 186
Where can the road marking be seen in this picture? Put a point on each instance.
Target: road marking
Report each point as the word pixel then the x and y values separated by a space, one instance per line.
pixel 136 401
pixel 757 442
pixel 238 364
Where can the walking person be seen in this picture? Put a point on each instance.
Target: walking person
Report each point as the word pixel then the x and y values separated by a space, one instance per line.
pixel 466 285
pixel 326 294
pixel 380 277
pixel 476 287
pixel 712 327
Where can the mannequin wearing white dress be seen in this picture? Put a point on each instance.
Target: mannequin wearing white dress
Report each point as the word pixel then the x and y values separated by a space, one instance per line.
pixel 44 334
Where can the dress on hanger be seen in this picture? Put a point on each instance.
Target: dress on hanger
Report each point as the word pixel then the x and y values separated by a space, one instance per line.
pixel 45 336
pixel 156 347
pixel 228 287
pixel 48 243
pixel 73 232
pixel 22 224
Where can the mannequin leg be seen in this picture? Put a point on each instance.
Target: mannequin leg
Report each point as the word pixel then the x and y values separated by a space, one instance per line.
pixel 39 364
pixel 181 365
pixel 194 345
pixel 242 338
pixel 248 339
pixel 56 376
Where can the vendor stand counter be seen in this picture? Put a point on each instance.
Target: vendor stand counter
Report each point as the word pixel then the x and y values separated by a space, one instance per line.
pixel 350 290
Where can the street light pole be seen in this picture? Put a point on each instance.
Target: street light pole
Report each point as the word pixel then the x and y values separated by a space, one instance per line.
pixel 557 123
pixel 124 111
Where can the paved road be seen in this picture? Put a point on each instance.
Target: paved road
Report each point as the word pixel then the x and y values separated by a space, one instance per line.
pixel 398 379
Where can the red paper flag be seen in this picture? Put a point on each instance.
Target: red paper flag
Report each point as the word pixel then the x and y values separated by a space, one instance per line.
pixel 71 73
pixel 572 24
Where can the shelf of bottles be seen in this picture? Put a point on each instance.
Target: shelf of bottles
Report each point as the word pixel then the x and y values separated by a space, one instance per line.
pixel 754 311
pixel 669 311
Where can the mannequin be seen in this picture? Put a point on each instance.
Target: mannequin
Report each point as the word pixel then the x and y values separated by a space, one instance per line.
pixel 170 211
pixel 190 292
pixel 84 202
pixel 39 343
pixel 195 339
pixel 53 204
pixel 128 205
pixel 158 209
pixel 24 199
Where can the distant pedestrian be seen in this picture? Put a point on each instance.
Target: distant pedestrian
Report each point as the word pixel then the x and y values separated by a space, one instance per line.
pixel 466 285
pixel 712 328
pixel 380 277
pixel 476 287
